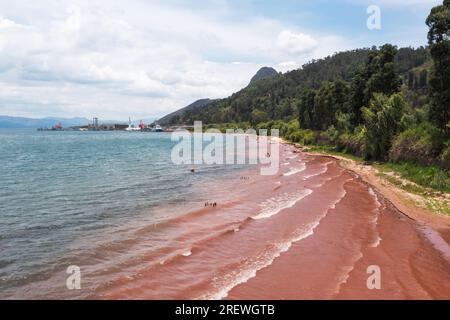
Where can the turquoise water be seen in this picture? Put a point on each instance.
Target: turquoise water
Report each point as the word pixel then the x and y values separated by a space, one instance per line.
pixel 58 188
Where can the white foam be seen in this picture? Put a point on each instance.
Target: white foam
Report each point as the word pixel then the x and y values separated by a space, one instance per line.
pixel 187 253
pixel 347 270
pixel 377 242
pixel 375 196
pixel 293 171
pixel 376 213
pixel 334 204
pixel 275 205
pixel 225 283
pixel 320 185
pixel 251 266
pixel 324 170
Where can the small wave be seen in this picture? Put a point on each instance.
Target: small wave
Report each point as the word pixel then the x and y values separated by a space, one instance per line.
pixel 377 242
pixel 376 213
pixel 347 271
pixel 249 267
pixel 277 204
pixel 5 263
pixel 182 218
pixel 293 171
pixel 325 181
pixel 375 196
pixel 324 170
pixel 175 255
pixel 277 185
pixel 341 197
pixel 187 253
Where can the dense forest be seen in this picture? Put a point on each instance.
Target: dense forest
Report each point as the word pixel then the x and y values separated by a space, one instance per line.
pixel 383 104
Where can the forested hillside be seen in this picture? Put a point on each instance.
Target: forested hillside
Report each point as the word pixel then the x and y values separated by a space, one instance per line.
pixel 175 117
pixel 279 96
pixel 384 104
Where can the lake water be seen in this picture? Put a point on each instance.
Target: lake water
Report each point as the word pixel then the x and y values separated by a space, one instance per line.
pixel 79 198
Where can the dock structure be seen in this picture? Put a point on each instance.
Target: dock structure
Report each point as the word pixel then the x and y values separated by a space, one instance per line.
pixel 95 125
pixel 110 127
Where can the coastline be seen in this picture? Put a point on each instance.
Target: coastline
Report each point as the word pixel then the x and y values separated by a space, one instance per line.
pixel 308 232
pixel 368 225
pixel 406 202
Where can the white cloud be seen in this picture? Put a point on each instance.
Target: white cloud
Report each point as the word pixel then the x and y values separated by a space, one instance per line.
pixel 6 23
pixel 296 42
pixel 107 59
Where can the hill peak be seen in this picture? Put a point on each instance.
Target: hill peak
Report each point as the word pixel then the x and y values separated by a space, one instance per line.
pixel 264 72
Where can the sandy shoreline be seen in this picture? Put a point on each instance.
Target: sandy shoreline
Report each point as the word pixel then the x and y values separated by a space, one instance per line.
pixel 331 260
pixel 403 200
pixel 312 231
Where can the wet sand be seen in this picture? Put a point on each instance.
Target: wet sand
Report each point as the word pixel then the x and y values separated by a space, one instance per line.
pixel 310 232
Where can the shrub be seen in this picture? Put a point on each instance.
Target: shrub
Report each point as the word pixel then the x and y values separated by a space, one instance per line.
pixel 445 155
pixel 418 144
pixel 333 134
pixel 353 142
pixel 305 137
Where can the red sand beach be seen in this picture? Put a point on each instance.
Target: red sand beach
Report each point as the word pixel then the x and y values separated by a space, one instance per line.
pixel 310 232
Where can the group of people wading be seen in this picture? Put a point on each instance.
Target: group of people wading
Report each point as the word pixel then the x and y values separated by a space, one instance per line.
pixel 208 204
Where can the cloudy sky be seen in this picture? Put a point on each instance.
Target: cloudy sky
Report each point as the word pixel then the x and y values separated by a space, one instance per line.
pixel 145 58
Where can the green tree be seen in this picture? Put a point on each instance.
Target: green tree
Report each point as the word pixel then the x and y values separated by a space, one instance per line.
pixel 439 41
pixel 258 116
pixel 306 109
pixel 331 98
pixel 358 95
pixel 377 76
pixel 323 107
pixel 383 122
pixel 384 79
pixel 343 123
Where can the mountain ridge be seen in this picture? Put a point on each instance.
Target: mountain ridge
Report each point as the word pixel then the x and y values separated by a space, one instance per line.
pixel 277 97
pixel 174 117
pixel 12 122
